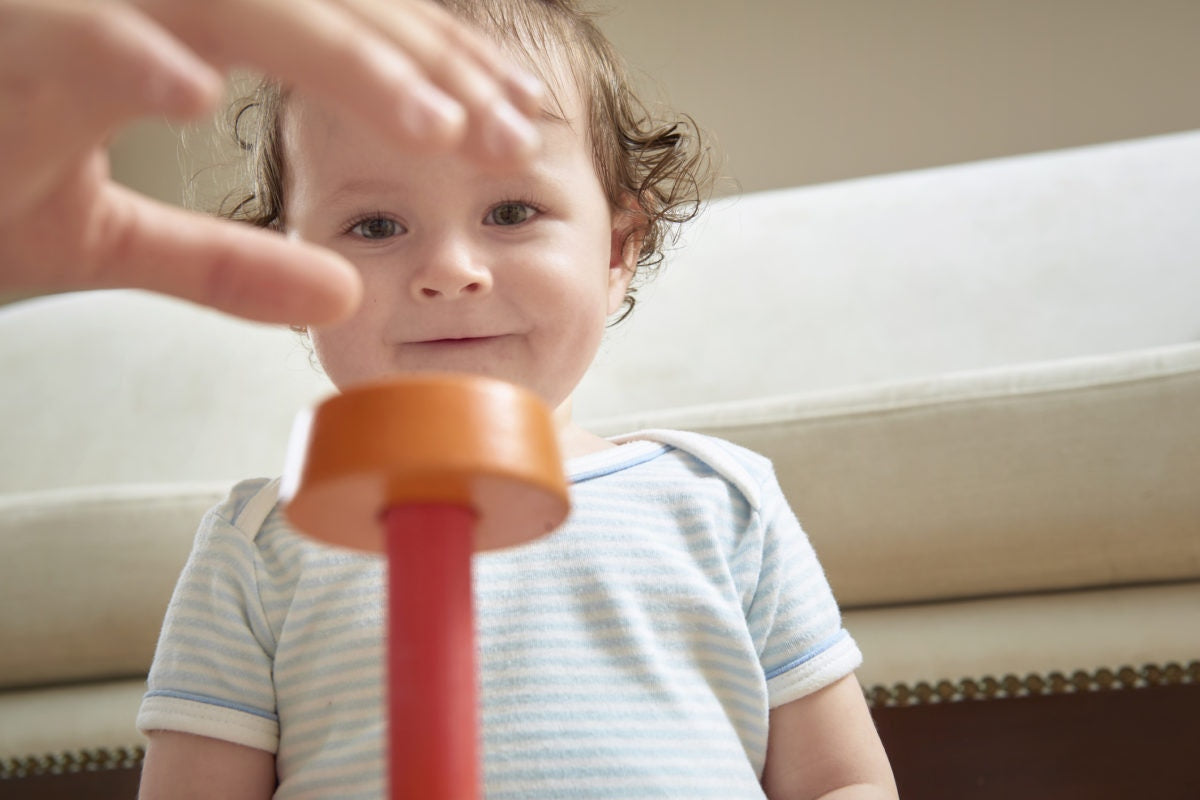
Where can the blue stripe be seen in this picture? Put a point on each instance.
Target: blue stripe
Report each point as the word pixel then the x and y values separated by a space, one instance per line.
pixel 809 655
pixel 213 701
pixel 618 466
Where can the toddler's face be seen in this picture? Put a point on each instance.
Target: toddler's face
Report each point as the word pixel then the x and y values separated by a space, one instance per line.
pixel 506 275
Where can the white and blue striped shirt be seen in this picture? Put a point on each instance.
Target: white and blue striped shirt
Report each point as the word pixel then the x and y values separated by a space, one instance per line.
pixel 633 653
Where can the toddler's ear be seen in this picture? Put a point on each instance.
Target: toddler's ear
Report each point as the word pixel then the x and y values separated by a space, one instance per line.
pixel 628 232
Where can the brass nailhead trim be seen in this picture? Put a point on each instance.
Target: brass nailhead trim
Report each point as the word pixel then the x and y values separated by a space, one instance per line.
pixel 72 761
pixel 1033 685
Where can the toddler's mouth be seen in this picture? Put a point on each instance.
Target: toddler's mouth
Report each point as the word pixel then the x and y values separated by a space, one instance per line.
pixel 458 340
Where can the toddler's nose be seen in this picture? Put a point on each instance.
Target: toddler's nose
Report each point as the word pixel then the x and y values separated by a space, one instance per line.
pixel 450 273
pixel 430 293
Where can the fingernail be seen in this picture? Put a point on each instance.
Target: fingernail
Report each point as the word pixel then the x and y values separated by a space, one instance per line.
pixel 510 133
pixel 430 113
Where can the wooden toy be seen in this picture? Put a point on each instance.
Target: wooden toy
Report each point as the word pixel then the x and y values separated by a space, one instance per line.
pixel 428 469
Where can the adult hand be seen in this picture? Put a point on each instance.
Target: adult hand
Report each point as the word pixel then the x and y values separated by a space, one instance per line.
pixel 74 71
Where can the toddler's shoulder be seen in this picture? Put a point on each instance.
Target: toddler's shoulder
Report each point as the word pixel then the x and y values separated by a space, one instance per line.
pixel 248 505
pixel 749 472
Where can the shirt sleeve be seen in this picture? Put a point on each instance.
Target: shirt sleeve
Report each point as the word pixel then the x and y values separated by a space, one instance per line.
pixel 793 616
pixel 212 670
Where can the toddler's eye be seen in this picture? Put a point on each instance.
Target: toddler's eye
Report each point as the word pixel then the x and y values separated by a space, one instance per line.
pixel 510 214
pixel 376 228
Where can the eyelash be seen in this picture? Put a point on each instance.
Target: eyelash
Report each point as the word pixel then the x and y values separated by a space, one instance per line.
pixel 528 202
pixel 361 218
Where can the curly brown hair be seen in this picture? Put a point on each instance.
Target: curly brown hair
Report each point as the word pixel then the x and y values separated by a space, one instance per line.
pixel 663 163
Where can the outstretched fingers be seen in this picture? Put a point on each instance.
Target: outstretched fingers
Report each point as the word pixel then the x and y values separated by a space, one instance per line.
pixel 498 95
pixel 402 65
pixel 73 71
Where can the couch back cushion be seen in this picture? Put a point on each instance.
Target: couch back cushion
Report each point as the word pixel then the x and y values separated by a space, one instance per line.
pixel 1032 258
pixel 123 387
pixel 1047 477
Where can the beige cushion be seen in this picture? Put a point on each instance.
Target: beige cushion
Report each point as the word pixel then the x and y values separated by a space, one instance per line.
pixel 124 387
pixel 39 722
pixel 1031 634
pixel 85 577
pixel 1041 477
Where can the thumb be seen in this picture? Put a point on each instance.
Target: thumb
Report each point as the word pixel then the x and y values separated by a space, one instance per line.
pixel 245 271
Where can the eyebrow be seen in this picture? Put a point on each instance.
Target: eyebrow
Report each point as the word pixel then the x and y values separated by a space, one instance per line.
pixel 358 186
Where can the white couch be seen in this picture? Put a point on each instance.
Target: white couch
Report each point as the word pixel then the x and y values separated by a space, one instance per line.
pixel 980 385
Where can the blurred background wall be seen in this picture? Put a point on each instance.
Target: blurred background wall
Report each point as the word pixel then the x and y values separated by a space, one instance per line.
pixel 806 91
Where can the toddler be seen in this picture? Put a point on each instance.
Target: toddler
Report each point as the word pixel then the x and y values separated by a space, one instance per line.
pixel 675 638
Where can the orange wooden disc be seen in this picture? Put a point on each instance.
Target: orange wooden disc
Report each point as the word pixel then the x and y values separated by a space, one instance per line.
pixel 463 440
